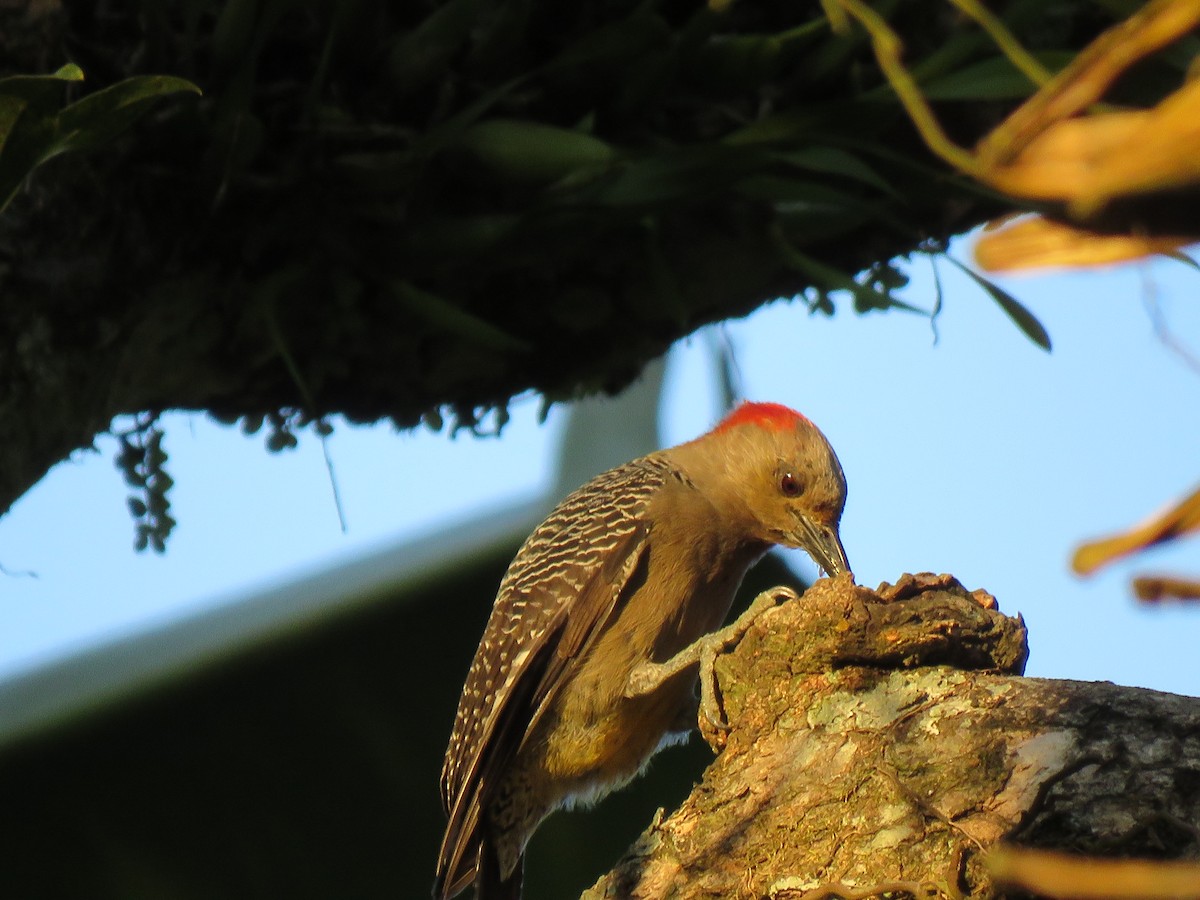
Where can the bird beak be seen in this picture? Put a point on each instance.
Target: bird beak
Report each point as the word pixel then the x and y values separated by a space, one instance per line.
pixel 823 545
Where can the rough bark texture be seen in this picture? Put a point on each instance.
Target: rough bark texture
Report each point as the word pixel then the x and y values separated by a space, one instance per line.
pixel 882 742
pixel 422 209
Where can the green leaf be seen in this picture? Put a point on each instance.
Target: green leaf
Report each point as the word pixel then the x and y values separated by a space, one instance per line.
pixel 738 61
pixel 772 129
pixel 620 43
pixel 992 79
pixel 40 89
pixel 441 313
pixel 10 111
pixel 669 175
pixel 450 130
pixel 529 152
pixel 233 35
pixel 28 135
pixel 69 72
pixel 1022 318
pixel 960 49
pixel 28 105
pixel 98 118
pixel 418 56
pixel 1181 257
pixel 865 298
pixel 1181 54
pixel 834 161
pixel 33 129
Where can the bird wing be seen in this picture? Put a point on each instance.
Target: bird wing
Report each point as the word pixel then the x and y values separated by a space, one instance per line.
pixel 600 598
pixel 553 602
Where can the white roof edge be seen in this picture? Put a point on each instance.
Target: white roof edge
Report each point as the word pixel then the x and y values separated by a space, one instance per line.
pixel 33 700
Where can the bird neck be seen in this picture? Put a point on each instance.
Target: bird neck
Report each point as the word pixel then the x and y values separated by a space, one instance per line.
pixel 713 469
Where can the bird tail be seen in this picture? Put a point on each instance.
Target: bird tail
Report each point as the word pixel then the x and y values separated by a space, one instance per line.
pixel 489 883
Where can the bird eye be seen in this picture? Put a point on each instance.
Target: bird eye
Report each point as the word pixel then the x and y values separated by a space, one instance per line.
pixel 790 485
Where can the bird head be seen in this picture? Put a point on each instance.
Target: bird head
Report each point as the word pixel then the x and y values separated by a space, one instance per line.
pixel 790 479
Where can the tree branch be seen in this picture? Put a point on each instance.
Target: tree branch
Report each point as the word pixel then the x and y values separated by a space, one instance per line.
pixel 881 740
pixel 419 211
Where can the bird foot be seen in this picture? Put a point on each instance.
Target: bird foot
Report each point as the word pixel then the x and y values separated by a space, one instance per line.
pixel 704 652
pixel 720 641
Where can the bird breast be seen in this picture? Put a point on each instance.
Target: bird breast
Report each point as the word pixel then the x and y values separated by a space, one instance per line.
pixel 683 589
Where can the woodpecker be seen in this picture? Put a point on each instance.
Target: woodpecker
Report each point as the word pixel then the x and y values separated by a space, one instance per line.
pixel 587 667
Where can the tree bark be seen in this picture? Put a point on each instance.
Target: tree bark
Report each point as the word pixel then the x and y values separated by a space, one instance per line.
pixel 881 741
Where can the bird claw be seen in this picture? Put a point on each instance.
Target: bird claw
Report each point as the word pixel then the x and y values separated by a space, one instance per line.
pixel 647 677
pixel 713 645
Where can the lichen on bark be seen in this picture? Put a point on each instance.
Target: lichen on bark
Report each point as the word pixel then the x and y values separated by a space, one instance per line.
pixel 881 741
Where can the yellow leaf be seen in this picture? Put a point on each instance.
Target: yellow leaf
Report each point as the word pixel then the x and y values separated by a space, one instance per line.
pixel 1157 588
pixel 1179 520
pixel 1088 161
pixel 1048 874
pixel 1035 242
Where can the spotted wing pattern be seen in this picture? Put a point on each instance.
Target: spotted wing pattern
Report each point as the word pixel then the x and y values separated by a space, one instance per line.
pixel 555 597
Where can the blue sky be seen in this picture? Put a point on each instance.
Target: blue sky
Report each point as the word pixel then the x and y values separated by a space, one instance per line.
pixel 981 456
